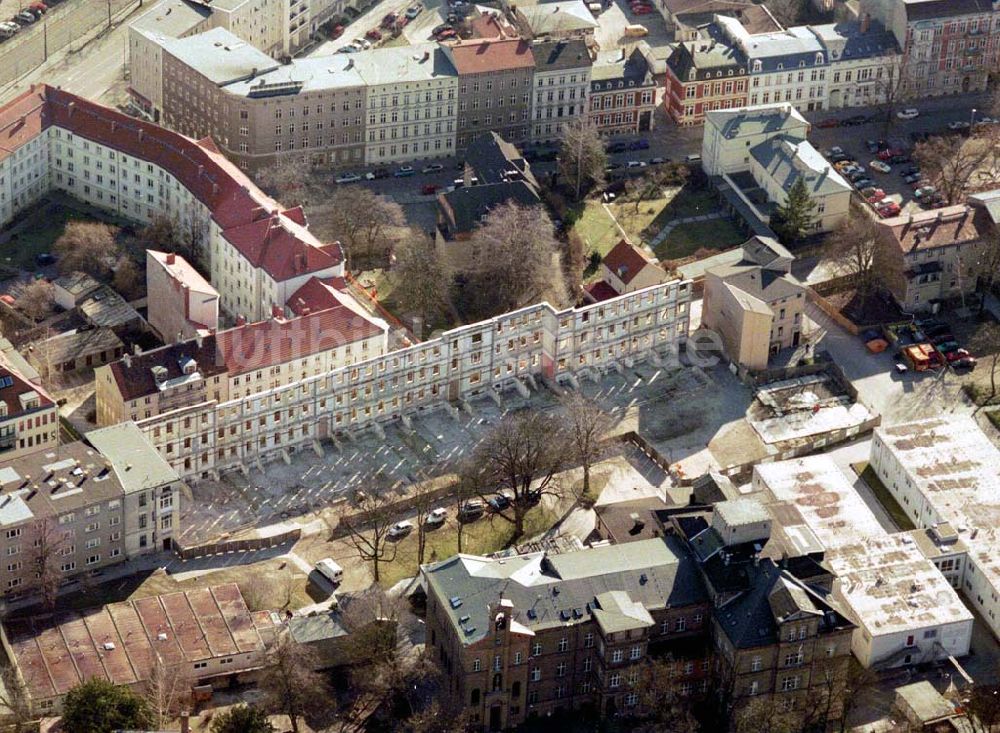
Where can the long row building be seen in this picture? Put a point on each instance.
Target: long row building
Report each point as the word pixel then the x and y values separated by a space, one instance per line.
pixel 896 50
pixel 382 106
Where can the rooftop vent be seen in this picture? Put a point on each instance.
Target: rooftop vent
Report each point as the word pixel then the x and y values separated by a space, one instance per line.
pixel 455 601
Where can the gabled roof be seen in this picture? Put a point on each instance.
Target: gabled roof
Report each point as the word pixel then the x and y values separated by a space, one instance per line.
pixel 494 160
pixel 565 16
pixel 465 207
pixel 767 252
pixel 14 388
pixel 481 55
pixel 560 55
pixel 254 223
pixel 627 261
pixel 786 160
pixel 938 228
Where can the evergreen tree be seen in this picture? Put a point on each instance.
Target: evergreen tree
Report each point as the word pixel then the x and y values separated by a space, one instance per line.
pixel 242 719
pixel 98 706
pixel 796 217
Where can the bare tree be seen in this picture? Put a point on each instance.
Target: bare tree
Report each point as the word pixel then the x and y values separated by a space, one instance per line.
pixel 581 156
pixel 423 501
pixel 950 162
pixel 586 423
pixel 45 560
pixel 128 280
pixel 367 224
pixel 651 184
pixel 185 237
pixel 420 279
pixel 892 88
pixel 859 250
pixel 664 707
pixel 167 690
pixel 36 299
pixel 515 262
pixel 786 12
pixel 87 246
pixel 15 701
pixel 986 340
pixel 521 454
pixel 463 491
pixel 289 180
pixel 368 531
pixel 290 683
pixel 857 682
pixel 985 265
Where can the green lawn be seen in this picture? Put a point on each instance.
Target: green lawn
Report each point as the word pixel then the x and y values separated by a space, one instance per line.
pixel 686 239
pixel 892 507
pixel 597 229
pixel 482 537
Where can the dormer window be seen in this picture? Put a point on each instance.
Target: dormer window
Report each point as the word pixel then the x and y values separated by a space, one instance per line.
pixel 819 58
pixel 802 64
pixel 692 75
pixel 718 74
pixel 780 66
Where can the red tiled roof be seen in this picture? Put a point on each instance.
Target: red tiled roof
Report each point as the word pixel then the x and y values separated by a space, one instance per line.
pixel 20 386
pixel 626 261
pixel 277 341
pixel 937 228
pixel 600 291
pixel 316 295
pixel 252 221
pixel 479 55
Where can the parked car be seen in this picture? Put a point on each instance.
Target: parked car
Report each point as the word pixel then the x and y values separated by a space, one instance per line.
pixel 869 192
pixel 658 161
pixel 388 20
pixel 361 43
pixel 445 35
pixel 642 9
pixel 432 168
pixel 374 34
pixel 377 173
pixel 857 175
pixel 899 159
pixel 863 183
pixel 348 49
pixel 875 197
pixel 615 148
pixel 855 120
pixel 406 170
pixel 966 362
pixel 347 178
pixel 924 191
pixel 436 517
pixel 399 529
pixel 336 32
pixel 470 509
pixel 25 18
pixel 839 157
pixel 843 165
pixel 498 503
pixel 828 122
pixel 947 346
pixel 958 125
pixel 641 144
pixel 937 329
pixel 413 11
pixel 909 170
pixel 888 208
pixel 428 189
pixel 942 338
pixel 957 354
pixel 8 29
pixel 910 113
pixel 636 164
pixel 441 28
pixel 881 167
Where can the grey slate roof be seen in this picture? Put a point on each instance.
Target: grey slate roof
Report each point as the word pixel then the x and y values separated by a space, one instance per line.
pixel 494 160
pixel 633 71
pixel 786 160
pixel 766 119
pixel 557 590
pixel 470 203
pixel 930 9
pixel 765 285
pixel 559 55
pixel 767 252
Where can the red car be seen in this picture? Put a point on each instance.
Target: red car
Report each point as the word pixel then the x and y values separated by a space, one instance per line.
pixel 829 122
pixel 875 197
pixel 884 155
pixel 642 9
pixel 374 35
pixel 446 34
pixel 337 31
pixel 890 208
pixel 428 189
pixel 388 20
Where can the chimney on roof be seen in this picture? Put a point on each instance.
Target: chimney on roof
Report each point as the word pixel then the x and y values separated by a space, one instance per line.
pixel 241 320
pixel 306 310
pixel 198 340
pixel 70 107
pixel 142 134
pixel 171 258
pixel 427 55
pixel 136 349
pixel 277 311
pixel 215 189
pixel 866 22
pixel 128 361
pixel 201 170
pixel 114 125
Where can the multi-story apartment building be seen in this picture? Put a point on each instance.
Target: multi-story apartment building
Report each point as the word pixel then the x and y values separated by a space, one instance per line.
pixel 85 506
pixel 29 417
pixel 257 253
pixel 939 255
pixel 495 88
pixel 515 348
pixel 623 95
pixel 755 305
pixel 864 63
pixel 730 136
pixel 560 631
pixel 234 363
pixel 182 303
pixel 562 79
pixel 788 66
pixel 704 74
pixel 387 105
pixel 949 46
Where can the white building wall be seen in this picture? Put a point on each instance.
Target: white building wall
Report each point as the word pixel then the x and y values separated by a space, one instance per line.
pixel 566 87
pixel 727 155
pixel 923 644
pixel 411 120
pixel 491 355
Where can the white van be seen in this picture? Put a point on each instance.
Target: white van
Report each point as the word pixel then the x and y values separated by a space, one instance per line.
pixel 636 31
pixel 693 158
pixel 330 570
